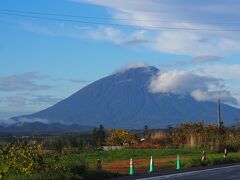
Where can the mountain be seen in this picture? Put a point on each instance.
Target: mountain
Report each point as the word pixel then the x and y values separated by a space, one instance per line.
pixel 123 100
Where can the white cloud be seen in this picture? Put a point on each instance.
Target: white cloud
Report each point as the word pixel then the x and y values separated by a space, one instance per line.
pixel 156 21
pixel 106 34
pixel 18 104
pixel 206 58
pixel 151 12
pixel 223 71
pixel 22 82
pixel 22 120
pixel 177 42
pixel 224 95
pixel 23 101
pixel 194 43
pixel 116 36
pixel 202 88
pixel 99 33
pixel 179 14
pixel 181 82
pixel 14 101
pixel 196 61
pixel 78 81
pixel 133 66
pixel 19 122
pixel 6 121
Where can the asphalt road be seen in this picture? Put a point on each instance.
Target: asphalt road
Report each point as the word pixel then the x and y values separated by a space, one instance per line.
pixel 220 173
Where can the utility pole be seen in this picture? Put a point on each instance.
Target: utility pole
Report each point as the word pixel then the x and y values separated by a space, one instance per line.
pixel 219 115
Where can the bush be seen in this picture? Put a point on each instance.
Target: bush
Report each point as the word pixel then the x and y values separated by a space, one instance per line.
pixel 27 158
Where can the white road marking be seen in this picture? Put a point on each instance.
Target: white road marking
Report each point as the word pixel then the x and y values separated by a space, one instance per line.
pixel 187 173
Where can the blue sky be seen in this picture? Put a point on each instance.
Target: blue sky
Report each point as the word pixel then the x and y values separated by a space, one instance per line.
pixel 46 60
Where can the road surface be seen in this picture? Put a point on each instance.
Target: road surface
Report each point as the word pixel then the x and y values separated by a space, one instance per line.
pixel 220 173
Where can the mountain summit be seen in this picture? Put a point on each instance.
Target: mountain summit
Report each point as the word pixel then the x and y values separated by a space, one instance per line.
pixel 123 100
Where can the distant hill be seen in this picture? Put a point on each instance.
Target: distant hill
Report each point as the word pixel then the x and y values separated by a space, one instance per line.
pixel 43 127
pixel 123 100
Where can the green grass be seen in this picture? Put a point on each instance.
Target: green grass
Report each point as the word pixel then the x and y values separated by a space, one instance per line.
pixel 86 175
pixel 39 176
pixel 87 159
pixel 90 157
pixel 214 159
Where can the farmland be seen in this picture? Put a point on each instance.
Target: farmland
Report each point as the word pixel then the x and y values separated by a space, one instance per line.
pixel 118 161
pixel 74 155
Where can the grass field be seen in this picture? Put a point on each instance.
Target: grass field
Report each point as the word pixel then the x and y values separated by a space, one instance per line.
pixel 114 162
pixel 118 161
pixel 90 157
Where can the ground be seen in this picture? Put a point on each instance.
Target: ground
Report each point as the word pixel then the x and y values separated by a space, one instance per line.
pixel 140 165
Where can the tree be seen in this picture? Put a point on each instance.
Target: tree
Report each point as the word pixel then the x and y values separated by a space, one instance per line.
pixel 146 131
pixel 99 136
pixel 95 136
pixel 120 137
pixel 169 128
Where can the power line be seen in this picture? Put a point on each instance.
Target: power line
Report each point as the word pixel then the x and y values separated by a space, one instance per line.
pixel 105 18
pixel 115 24
pixel 54 14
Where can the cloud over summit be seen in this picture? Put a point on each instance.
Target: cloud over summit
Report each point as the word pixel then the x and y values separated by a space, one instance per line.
pixel 202 88
pixel 133 65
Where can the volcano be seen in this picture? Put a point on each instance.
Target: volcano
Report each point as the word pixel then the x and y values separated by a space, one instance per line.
pixel 123 100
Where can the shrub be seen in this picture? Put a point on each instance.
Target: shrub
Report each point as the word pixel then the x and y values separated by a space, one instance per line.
pixel 26 158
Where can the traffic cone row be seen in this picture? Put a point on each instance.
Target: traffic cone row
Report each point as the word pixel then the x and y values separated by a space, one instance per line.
pixel 178 163
pixel 151 165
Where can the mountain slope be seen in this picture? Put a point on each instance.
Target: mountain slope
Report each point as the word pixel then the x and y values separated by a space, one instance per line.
pixel 123 100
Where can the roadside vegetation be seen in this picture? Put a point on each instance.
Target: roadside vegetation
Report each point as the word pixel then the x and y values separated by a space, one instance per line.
pixel 76 155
